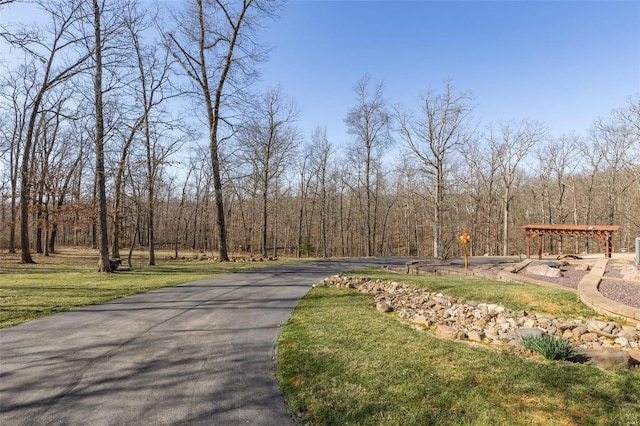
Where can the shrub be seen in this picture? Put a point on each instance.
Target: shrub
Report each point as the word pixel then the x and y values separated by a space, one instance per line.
pixel 550 347
pixel 307 248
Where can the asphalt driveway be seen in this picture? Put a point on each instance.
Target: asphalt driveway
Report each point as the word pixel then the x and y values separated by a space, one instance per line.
pixel 197 353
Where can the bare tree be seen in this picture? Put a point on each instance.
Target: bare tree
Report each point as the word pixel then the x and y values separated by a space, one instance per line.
pixel 183 199
pixel 562 158
pixel 513 142
pixel 153 69
pixel 45 175
pixel 108 48
pixel 216 46
pixel 440 131
pixel 369 122
pixel 64 16
pixel 629 116
pixel 306 177
pixel 69 165
pixel 615 142
pixel 104 265
pixel 590 169
pixel 20 35
pixel 17 87
pixel 267 139
pixel 320 156
pixel 481 178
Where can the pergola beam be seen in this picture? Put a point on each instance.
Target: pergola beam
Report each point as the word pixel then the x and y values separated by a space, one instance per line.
pixel 602 233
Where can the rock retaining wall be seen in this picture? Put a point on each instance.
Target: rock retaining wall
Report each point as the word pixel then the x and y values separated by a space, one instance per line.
pixel 453 318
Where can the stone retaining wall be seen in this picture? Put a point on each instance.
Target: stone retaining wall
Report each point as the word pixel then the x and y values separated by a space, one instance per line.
pixel 453 318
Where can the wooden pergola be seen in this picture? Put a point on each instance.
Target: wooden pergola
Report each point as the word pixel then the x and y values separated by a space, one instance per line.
pixel 602 233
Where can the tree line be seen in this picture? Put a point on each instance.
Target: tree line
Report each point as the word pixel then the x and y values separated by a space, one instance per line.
pixel 104 109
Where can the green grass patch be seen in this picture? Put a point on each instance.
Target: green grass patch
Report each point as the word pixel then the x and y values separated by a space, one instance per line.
pixel 341 362
pixel 514 296
pixel 68 280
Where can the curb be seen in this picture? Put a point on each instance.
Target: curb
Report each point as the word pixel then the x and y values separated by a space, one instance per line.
pixel 591 296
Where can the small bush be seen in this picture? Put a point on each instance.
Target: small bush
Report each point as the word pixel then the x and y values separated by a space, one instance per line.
pixel 550 347
pixel 307 248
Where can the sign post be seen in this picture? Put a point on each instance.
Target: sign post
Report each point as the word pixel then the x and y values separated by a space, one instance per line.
pixel 464 239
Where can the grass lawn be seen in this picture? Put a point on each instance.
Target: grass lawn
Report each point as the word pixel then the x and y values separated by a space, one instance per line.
pixel 343 363
pixel 68 279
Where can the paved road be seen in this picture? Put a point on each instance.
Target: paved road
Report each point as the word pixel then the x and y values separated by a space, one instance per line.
pixel 198 353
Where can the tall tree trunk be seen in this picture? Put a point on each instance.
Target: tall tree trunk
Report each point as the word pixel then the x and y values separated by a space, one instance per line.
pixel 46 228
pixel 12 229
pixel 25 181
pixel 323 212
pixel 118 193
pixel 368 201
pixel 14 172
pixel 152 251
pixel 151 171
pixel 263 240
pixel 103 264
pixel 60 202
pixel 505 222
pixel 39 222
pixel 275 222
pixel 301 208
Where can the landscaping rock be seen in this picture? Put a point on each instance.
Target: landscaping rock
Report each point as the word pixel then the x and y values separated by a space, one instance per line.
pixel 589 337
pixel 544 270
pixel 622 342
pixel 475 335
pixel 446 332
pixel 487 323
pixel 383 307
pixel 525 332
pixel 628 332
pixel 631 273
pixel 421 321
pixel 579 331
pixel 442 300
pixel 606 359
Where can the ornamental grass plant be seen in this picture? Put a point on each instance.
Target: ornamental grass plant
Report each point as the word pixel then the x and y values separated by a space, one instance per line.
pixel 551 347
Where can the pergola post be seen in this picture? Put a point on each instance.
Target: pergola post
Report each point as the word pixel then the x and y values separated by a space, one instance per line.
pixel 539 246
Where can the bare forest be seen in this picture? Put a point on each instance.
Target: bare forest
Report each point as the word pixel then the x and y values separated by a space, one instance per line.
pixel 126 127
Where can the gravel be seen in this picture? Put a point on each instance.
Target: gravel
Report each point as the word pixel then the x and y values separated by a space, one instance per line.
pixel 612 286
pixel 625 292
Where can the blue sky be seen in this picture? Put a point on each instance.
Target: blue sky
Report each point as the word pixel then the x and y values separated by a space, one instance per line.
pixel 563 63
